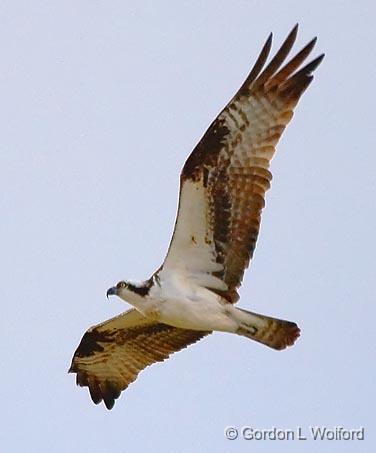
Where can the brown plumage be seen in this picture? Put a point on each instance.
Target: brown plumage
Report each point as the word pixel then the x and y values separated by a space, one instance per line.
pixel 232 159
pixel 110 355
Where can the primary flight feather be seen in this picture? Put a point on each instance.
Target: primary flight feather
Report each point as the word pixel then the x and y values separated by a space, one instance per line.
pixel 222 193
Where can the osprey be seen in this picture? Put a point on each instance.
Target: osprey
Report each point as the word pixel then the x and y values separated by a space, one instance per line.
pixel 222 191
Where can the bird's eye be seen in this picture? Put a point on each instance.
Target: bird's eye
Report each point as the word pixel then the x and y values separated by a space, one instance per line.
pixel 121 285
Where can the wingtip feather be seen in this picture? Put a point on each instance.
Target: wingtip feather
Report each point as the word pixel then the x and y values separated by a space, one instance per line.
pixel 294 30
pixel 278 58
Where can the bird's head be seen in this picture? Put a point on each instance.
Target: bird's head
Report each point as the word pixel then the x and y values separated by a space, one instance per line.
pixel 118 289
pixel 127 290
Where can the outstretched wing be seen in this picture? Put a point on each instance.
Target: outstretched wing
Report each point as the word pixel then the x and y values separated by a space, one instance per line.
pixel 224 180
pixel 110 355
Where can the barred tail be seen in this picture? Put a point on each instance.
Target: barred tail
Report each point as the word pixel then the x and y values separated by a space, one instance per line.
pixel 275 333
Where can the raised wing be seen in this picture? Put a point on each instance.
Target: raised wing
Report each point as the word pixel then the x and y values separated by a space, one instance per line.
pixel 224 180
pixel 110 355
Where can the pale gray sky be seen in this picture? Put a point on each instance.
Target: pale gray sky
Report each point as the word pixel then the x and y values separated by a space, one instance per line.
pixel 101 103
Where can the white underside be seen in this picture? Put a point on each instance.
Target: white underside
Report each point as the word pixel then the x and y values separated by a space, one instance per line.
pixel 180 302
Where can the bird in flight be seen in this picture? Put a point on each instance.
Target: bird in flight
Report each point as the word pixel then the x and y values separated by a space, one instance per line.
pixel 222 192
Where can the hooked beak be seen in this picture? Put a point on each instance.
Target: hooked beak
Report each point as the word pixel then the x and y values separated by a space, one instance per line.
pixel 111 292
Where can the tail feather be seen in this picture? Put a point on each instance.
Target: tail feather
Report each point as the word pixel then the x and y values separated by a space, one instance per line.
pixel 275 333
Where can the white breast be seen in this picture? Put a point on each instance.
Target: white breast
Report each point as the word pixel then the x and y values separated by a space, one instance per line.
pixel 183 303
